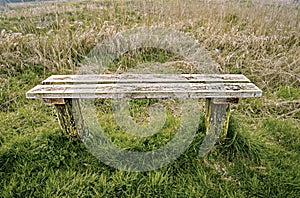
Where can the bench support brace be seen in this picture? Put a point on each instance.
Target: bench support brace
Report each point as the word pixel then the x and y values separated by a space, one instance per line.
pixel 70 118
pixel 217 118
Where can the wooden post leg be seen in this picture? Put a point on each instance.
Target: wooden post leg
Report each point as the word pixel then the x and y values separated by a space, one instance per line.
pixel 217 118
pixel 70 118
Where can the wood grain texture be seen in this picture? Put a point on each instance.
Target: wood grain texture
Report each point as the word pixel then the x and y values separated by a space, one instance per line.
pixel 145 78
pixel 217 119
pixel 70 119
pixel 146 90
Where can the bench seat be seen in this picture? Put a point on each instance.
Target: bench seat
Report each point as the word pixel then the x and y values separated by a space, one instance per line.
pixel 146 86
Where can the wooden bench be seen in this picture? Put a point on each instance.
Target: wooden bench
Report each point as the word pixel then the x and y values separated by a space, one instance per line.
pixel 219 89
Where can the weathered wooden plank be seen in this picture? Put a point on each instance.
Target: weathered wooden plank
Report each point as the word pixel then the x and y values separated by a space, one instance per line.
pixel 145 78
pixel 60 101
pixel 147 90
pixel 225 100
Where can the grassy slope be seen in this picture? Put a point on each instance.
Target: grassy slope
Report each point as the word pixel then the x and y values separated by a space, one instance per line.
pixel 261 156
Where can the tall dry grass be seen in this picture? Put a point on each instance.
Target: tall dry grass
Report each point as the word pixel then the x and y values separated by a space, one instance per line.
pixel 259 40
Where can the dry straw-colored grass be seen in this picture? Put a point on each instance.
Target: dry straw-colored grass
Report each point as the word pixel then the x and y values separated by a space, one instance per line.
pixel 261 40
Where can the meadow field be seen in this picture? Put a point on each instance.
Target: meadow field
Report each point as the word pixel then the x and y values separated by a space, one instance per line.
pixel 261 155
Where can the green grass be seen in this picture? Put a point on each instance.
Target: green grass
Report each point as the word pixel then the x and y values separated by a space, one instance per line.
pixel 260 157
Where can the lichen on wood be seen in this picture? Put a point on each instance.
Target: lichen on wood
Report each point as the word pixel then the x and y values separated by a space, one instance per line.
pixel 70 118
pixel 217 119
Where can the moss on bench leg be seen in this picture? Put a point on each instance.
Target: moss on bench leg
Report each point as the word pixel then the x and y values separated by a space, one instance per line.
pixel 217 119
pixel 70 118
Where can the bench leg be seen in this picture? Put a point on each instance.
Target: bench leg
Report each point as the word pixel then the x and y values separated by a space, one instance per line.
pixel 217 119
pixel 70 118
